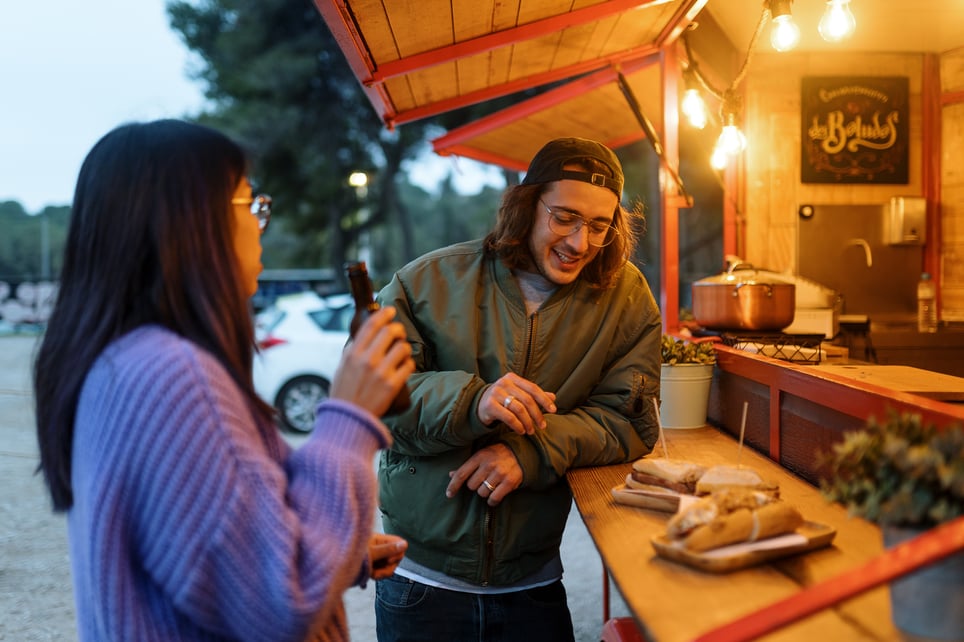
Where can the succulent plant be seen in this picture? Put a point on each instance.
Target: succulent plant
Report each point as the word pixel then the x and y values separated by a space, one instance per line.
pixel 898 472
pixel 677 351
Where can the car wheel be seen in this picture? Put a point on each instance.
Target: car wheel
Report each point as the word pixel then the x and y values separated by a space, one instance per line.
pixel 298 400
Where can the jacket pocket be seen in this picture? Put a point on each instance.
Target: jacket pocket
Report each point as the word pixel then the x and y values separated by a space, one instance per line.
pixel 642 410
pixel 414 505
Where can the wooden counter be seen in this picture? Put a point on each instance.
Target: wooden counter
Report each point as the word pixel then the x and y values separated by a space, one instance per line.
pixel 897 344
pixel 795 411
pixel 933 385
pixel 672 602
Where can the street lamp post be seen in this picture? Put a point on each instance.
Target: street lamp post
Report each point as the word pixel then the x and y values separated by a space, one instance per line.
pixel 359 180
pixel 44 246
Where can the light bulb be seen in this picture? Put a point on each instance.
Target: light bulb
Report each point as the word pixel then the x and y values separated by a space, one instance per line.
pixel 719 160
pixel 731 140
pixel 837 22
pixel 785 33
pixel 694 108
pixel 358 179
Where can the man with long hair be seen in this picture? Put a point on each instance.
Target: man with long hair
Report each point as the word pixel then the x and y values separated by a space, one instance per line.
pixel 536 350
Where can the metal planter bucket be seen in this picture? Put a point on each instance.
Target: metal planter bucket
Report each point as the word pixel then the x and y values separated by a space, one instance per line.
pixel 684 391
pixel 928 603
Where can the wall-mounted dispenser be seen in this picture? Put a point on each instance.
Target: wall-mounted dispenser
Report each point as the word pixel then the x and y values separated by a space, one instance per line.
pixel 905 220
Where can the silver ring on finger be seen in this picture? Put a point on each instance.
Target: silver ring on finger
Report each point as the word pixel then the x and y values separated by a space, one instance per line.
pixel 508 401
pixel 485 482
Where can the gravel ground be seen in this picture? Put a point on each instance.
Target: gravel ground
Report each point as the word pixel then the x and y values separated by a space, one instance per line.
pixel 36 599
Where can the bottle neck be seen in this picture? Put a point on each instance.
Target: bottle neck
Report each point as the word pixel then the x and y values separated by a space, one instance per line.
pixel 360 285
pixel 361 291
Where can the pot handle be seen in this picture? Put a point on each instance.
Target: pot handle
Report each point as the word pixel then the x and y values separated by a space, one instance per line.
pixel 736 288
pixel 739 266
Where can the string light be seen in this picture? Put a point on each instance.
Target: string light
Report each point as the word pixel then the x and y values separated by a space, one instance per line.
pixel 837 22
pixel 693 106
pixel 785 34
pixel 732 141
pixel 719 160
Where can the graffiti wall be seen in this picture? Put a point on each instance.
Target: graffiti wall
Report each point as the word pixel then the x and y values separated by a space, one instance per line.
pixel 26 303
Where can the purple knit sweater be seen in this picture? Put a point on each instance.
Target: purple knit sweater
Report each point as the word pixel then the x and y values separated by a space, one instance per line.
pixel 193 522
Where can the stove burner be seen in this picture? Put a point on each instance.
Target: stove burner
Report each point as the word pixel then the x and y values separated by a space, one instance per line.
pixel 798 348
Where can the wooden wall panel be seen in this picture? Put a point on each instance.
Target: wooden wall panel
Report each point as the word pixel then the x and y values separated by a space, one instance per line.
pixel 952 190
pixel 774 190
pixel 952 70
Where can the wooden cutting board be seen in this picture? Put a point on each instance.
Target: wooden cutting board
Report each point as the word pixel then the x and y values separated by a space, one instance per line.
pixel 810 536
pixel 934 385
pixel 667 502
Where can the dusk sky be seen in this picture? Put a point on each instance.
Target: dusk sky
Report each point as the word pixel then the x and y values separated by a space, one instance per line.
pixel 72 71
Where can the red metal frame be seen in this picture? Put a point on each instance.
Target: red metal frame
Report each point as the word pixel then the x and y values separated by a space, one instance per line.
pixel 337 14
pixel 857 399
pixel 669 206
pixel 931 167
pixel 505 37
pixel 952 98
pixel 504 89
pixel 923 550
pixel 734 232
pixel 456 139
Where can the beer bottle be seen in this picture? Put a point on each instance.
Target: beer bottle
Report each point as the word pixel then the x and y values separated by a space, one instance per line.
pixel 365 305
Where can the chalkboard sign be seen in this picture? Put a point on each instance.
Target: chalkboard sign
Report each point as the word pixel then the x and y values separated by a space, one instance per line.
pixel 855 130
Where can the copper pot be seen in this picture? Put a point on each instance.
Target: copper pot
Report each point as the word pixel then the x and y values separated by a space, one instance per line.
pixel 743 299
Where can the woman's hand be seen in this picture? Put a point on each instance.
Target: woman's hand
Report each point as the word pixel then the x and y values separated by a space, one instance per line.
pixel 375 364
pixel 386 553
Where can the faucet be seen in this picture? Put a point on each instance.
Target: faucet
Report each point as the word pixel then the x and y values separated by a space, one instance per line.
pixel 864 244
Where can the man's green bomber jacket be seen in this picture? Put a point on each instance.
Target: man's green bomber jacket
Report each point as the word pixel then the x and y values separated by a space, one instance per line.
pixel 466 320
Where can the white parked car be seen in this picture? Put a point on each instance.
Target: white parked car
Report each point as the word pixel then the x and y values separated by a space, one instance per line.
pixel 301 338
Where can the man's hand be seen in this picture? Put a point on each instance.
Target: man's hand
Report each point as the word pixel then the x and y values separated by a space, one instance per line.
pixel 517 402
pixel 492 472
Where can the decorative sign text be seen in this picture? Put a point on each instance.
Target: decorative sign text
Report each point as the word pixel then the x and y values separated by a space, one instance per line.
pixel 855 130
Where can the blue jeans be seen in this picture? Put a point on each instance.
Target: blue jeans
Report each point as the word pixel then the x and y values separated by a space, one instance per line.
pixel 406 611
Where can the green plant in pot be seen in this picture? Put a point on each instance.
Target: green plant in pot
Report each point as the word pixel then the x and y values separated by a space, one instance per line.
pixel 679 351
pixel 685 378
pixel 907 477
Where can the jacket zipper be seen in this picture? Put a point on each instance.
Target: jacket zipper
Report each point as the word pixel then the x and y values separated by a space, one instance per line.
pixel 530 342
pixel 487 522
pixel 489 546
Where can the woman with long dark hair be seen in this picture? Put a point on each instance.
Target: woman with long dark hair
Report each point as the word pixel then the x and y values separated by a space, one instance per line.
pixel 189 517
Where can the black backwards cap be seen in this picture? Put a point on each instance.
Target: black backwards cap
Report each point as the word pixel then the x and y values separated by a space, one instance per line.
pixel 547 165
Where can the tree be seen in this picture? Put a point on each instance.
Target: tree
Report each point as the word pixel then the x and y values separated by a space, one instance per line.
pixel 31 247
pixel 276 81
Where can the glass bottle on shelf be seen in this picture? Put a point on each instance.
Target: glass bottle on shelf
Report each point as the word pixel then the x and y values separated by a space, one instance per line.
pixel 926 304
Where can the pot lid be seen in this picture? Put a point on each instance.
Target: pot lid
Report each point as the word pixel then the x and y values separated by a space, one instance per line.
pixel 746 274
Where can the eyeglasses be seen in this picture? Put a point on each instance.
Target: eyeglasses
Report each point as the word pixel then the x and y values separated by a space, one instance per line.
pixel 260 207
pixel 563 222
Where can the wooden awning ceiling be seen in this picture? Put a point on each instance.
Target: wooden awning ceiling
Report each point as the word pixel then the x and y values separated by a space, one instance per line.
pixel 592 107
pixel 419 58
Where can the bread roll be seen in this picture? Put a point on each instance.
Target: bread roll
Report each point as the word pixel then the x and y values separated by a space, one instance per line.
pixel 720 477
pixel 674 474
pixel 745 525
pixel 775 519
pixel 709 508
pixel 732 516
